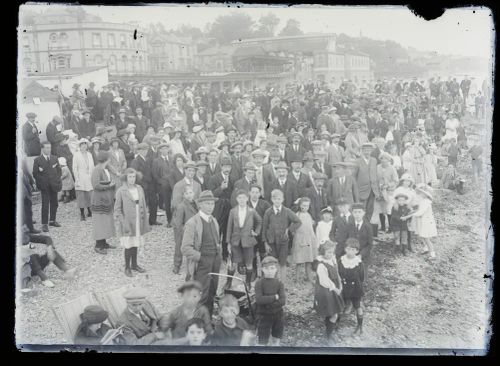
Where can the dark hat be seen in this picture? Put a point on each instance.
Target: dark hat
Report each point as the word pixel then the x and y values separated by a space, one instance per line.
pixel 31 115
pixel 162 145
pixel 85 111
pixel 153 139
pixel 94 314
pixel 200 163
pixel 231 128
pixel 308 156
pixel 268 261
pixel 142 146
pixel 189 285
pixel 102 156
pixel 225 143
pixel 113 140
pixel 59 137
pixel 357 206
pixel 295 158
pixel 206 196
pixel 258 152
pixel 225 161
pixel 135 294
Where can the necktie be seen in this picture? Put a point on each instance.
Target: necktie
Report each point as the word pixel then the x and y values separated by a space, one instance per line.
pixel 359 227
pixel 144 318
pixel 319 191
pixel 278 212
pixel 47 158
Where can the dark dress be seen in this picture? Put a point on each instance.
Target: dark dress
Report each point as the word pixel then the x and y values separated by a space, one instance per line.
pixel 327 303
pixel 352 279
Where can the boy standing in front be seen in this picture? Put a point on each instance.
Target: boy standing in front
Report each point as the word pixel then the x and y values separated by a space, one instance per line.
pixel 270 298
pixel 278 222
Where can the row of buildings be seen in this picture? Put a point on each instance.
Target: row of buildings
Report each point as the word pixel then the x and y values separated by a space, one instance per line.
pixel 67 39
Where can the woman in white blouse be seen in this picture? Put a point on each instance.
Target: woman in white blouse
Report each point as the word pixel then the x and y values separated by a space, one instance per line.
pixel 83 165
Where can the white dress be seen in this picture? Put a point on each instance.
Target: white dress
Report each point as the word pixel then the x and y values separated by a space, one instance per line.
pixel 425 224
pixel 323 231
pixel 138 240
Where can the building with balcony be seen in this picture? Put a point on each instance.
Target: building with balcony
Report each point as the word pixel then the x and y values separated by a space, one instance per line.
pixel 70 38
pixel 169 53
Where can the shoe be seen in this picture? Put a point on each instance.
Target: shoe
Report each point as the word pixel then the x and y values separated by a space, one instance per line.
pixel 89 214
pixel 82 217
pixel 35 231
pixel 176 270
pixel 128 272
pixel 45 228
pixel 100 251
pixel 48 283
pixel 138 269
pixel 54 224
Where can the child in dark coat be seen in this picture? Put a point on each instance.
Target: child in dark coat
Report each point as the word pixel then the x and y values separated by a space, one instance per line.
pixel 399 227
pixel 352 273
pixel 229 331
pixel 270 299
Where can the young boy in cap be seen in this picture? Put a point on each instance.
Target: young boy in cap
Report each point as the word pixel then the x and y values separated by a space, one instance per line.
pixel 270 299
pixel 174 323
pixel 245 182
pixel 362 231
pixel 139 319
pixel 278 222
pixel 399 227
pixel 261 206
pixel 343 227
pixel 230 329
pixel 243 226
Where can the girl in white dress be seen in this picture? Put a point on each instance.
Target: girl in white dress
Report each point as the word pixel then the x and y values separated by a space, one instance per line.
pixel 425 224
pixel 324 227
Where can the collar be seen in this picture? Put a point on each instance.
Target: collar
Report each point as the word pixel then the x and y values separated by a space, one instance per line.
pixel 46 156
pixel 254 203
pixel 322 259
pixel 358 223
pixel 242 208
pixel 350 263
pixel 275 209
pixel 204 216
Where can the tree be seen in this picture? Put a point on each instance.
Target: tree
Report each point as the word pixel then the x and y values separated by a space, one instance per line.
pixel 186 30
pixel 267 25
pixel 292 28
pixel 227 28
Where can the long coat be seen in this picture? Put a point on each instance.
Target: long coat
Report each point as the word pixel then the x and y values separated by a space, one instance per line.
pixel 82 170
pixel 86 129
pixel 47 174
pixel 348 191
pixel 31 139
pixel 117 165
pixel 102 205
pixel 335 154
pixel 161 169
pixel 318 202
pixel 51 132
pixel 235 234
pixel 366 177
pixel 290 191
pixel 129 155
pixel 302 183
pixel 125 212
pixel 365 238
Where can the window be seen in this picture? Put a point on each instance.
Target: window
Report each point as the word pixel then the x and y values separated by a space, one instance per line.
pixel 27 64
pixel 97 60
pixel 141 66
pixel 111 40
pixel 96 40
pixel 26 43
pixel 123 41
pixel 53 37
pixel 62 62
pixel 63 37
pixel 112 62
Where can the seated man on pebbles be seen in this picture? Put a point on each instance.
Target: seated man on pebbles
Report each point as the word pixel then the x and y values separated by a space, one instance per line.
pixel 36 258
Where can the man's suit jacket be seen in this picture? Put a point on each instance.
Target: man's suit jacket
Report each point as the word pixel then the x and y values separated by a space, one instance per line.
pixel 290 153
pixel 157 118
pixel 144 166
pixel 290 192
pixel 237 167
pixel 366 177
pixel 211 172
pixel 239 184
pixel 318 202
pixel 335 154
pixel 86 128
pixel 235 234
pixel 161 170
pixel 135 331
pixel 302 183
pixel 178 191
pixel 175 175
pixel 341 231
pixel 47 174
pixel 261 208
pixel 51 133
pixel 129 155
pixel 268 176
pixel 141 127
pixel 365 238
pixel 31 140
pixel 327 169
pixel 151 155
pixel 204 184
pixel 347 191
pixel 214 185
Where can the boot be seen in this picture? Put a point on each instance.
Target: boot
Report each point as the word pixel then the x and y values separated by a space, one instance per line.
pixel 329 328
pixel 229 281
pixel 82 214
pixel 382 222
pixel 66 199
pixel 89 212
pixel 375 230
pixel 248 278
pixel 389 223
pixel 359 327
pixel 134 265
pixel 409 242
pixel 403 249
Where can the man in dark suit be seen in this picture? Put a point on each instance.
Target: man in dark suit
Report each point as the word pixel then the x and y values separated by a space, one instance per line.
pixel 123 144
pixel 161 172
pixel 318 196
pixel 260 206
pixel 31 136
pixel 213 166
pixel 295 150
pixel 320 164
pixel 201 174
pixel 301 180
pixel 237 161
pixel 141 124
pixel 47 173
pixel 342 186
pixel 244 183
pixel 269 174
pixel 157 118
pixel 285 185
pixel 86 126
pixel 51 131
pixel 143 165
pixel 221 184
pixel 363 232
pixel 343 227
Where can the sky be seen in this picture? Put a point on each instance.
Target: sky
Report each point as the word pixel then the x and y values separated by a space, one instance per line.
pixel 464 31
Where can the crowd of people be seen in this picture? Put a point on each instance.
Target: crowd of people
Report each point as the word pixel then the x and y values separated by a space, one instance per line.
pixel 306 175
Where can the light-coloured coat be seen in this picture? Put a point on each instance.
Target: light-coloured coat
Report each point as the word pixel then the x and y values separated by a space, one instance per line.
pixel 117 166
pixel 125 212
pixel 83 171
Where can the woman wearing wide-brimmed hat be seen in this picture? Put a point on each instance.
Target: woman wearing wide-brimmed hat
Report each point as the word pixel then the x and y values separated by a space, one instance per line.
pixel 92 329
pixel 133 221
pixel 83 165
pixel 102 204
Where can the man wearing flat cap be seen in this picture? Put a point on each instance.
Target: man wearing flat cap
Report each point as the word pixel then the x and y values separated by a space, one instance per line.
pixel 201 244
pixel 295 150
pixel 244 183
pixel 139 319
pixel 318 195
pixel 144 165
pixel 342 186
pixel 161 168
pixel 53 128
pixel 31 136
pixel 187 181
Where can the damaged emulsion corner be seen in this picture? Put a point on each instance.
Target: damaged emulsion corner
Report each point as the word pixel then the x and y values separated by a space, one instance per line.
pixel 428 12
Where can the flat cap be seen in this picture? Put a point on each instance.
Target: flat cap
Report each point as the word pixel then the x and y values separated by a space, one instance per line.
pixel 317 175
pixel 135 294
pixel 189 285
pixel 250 166
pixel 258 152
pixel 357 206
pixel 269 261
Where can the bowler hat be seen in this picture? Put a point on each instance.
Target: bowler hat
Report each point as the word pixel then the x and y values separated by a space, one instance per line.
pixel 206 196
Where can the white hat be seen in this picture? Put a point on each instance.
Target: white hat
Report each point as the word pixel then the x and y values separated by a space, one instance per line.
pixel 62 160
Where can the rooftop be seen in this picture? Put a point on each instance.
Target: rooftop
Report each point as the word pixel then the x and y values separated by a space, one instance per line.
pixel 286 38
pixel 69 72
pixel 35 90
